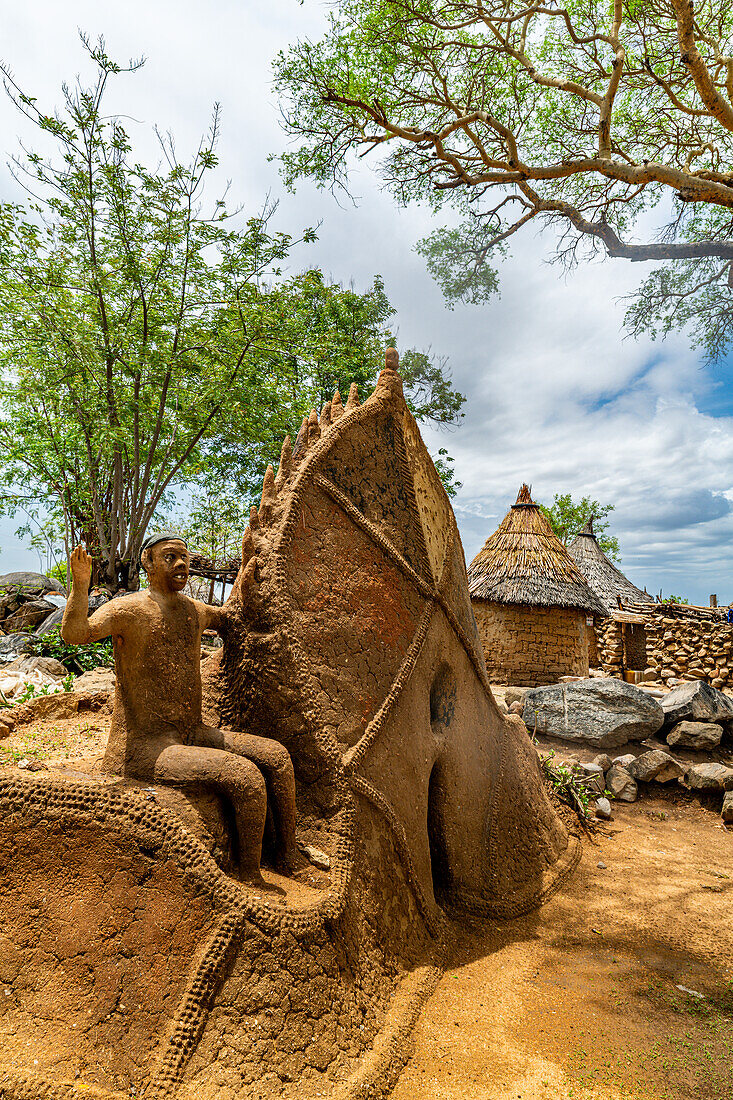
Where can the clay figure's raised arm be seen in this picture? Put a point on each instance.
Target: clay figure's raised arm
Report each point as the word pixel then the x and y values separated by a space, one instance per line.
pixel 76 626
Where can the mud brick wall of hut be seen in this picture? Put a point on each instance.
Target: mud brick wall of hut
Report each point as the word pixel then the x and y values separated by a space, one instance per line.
pixel 528 646
pixel 676 648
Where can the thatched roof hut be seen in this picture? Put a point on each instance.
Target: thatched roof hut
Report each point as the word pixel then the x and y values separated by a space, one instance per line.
pixel 524 562
pixel 607 582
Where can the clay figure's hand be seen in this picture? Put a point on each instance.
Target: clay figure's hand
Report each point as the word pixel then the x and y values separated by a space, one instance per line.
pixel 81 568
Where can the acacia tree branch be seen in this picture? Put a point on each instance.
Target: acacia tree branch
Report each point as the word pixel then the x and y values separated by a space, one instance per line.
pixel 606 107
pixel 613 244
pixel 718 107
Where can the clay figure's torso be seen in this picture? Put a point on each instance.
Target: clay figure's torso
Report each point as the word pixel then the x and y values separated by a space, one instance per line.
pixel 157 648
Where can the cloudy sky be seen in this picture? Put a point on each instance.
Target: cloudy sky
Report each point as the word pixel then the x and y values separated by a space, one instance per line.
pixel 556 396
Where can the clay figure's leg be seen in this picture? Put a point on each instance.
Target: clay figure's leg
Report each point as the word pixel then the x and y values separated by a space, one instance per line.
pixel 273 760
pixel 235 776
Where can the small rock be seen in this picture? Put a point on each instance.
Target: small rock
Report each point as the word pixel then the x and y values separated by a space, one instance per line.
pixel 318 858
pixel 51 622
pixel 727 811
pixel 593 774
pixel 514 695
pixel 601 865
pixel 31 765
pixel 695 701
pixel 603 761
pixel 603 808
pixel 97 598
pixel 621 784
pixel 96 679
pixel 655 765
pixel 624 761
pixel 28 615
pixel 516 707
pixel 709 777
pixel 49 666
pixel 695 735
pixel 13 644
pixel 61 704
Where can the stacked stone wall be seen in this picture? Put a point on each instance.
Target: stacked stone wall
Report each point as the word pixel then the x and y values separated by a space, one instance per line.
pixel 528 646
pixel 610 647
pixel 676 648
pixel 691 649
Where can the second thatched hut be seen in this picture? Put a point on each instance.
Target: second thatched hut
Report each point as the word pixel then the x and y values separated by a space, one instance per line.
pixel 530 601
pixel 620 642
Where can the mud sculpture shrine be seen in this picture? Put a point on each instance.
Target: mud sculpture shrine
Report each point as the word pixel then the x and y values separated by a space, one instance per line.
pixel 133 961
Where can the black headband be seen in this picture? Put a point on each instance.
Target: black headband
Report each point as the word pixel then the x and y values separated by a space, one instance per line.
pixel 162 536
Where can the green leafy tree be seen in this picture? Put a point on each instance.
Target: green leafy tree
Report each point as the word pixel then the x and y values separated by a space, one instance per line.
pixel 586 115
pixel 148 337
pixel 328 338
pixel 214 523
pixel 444 466
pixel 568 518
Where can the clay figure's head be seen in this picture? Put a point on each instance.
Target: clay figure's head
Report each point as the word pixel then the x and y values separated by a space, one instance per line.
pixel 165 559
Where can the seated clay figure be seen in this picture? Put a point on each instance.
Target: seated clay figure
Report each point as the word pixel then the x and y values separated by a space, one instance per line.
pixel 157 733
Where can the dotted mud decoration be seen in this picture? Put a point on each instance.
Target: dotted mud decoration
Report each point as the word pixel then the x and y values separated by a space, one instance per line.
pixel 356 648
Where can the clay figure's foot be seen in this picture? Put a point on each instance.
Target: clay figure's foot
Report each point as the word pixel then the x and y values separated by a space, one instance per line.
pixel 292 862
pixel 255 881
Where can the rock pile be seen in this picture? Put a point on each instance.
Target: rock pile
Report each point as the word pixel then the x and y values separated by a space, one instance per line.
pixel 621 779
pixel 609 713
pixel 29 603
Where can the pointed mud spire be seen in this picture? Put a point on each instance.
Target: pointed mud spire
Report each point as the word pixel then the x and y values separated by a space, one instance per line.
pixel 246 574
pixel 248 546
pixel 285 468
pixel 314 432
pixel 337 408
pixel 389 380
pixel 301 441
pixel 254 518
pixel 326 416
pixel 353 400
pixel 269 496
pixel 246 577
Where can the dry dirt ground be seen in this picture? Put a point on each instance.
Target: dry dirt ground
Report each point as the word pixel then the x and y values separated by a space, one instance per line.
pixel 581 999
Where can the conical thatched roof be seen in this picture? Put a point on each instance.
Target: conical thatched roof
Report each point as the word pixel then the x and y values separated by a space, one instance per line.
pixel 524 562
pixel 605 579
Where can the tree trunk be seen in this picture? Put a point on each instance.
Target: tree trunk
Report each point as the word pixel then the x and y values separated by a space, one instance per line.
pixel 123 577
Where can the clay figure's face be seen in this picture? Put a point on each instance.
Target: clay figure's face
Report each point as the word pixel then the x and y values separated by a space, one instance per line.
pixel 168 565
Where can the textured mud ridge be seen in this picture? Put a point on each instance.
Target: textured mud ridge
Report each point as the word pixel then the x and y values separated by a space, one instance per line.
pixel 133 961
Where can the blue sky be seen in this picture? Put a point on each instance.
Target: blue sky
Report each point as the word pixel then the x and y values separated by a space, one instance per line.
pixel 555 395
